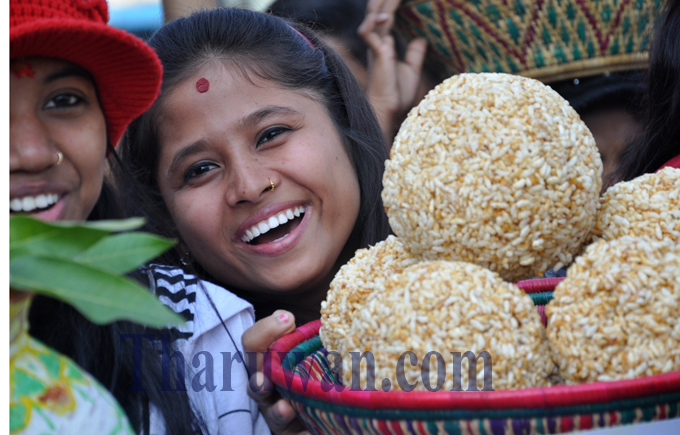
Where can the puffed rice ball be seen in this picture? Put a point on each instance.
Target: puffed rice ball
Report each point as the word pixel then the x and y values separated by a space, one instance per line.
pixel 648 205
pixel 363 274
pixel 450 307
pixel 615 316
pixel 497 170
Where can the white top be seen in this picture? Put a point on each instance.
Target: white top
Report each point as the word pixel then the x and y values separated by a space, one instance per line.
pixel 223 411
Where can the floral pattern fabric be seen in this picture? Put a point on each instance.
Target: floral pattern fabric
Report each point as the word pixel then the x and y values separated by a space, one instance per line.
pixel 50 394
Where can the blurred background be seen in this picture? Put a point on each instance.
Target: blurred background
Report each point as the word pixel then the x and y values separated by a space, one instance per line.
pixel 142 17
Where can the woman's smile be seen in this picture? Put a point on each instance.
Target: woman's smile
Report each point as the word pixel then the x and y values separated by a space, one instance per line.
pixel 43 204
pixel 272 224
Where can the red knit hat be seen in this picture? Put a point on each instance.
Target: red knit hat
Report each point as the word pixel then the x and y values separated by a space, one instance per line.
pixel 126 71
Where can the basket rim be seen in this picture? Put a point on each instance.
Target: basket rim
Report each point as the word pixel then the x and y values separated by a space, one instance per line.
pixel 544 397
pixel 618 406
pixel 538 285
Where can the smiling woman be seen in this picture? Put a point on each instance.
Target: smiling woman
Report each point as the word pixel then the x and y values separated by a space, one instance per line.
pixel 270 176
pixel 58 128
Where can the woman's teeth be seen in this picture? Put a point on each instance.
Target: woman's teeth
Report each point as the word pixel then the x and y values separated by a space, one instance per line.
pixel 272 222
pixel 30 203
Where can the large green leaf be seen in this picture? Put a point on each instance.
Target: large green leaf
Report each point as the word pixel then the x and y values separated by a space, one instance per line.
pixel 112 226
pixel 122 253
pixel 98 295
pixel 29 236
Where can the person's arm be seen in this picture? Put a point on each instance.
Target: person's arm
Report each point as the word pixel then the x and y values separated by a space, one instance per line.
pixel 392 84
pixel 181 8
pixel 257 339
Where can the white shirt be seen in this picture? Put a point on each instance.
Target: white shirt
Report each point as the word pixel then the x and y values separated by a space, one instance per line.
pixel 219 338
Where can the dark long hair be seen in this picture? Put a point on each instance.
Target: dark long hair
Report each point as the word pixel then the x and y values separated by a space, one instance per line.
pixel 98 348
pixel 339 19
pixel 660 141
pixel 274 50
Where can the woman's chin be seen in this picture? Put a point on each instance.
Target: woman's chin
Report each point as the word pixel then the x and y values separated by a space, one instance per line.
pixel 278 284
pixel 286 288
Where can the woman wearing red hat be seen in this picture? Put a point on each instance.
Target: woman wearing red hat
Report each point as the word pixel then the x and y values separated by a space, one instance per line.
pixel 75 84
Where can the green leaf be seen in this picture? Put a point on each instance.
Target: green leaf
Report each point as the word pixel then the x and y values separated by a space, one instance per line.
pixel 29 236
pixel 122 253
pixel 98 295
pixel 114 226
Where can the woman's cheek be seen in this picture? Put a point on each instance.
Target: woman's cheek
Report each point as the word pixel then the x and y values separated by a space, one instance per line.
pixel 92 172
pixel 195 220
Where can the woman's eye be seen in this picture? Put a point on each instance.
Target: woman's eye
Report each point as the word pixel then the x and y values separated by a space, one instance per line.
pixel 63 101
pixel 271 133
pixel 197 170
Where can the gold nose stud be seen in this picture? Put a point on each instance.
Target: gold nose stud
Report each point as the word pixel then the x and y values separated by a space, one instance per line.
pixel 271 185
pixel 60 158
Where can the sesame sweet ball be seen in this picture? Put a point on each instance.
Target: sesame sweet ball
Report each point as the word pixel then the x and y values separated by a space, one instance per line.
pixel 364 273
pixel 648 205
pixel 497 170
pixel 449 307
pixel 615 316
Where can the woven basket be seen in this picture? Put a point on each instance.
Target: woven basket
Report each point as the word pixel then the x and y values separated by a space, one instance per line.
pixel 548 40
pixel 301 374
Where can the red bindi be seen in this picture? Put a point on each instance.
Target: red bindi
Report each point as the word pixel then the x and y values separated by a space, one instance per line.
pixel 21 68
pixel 202 85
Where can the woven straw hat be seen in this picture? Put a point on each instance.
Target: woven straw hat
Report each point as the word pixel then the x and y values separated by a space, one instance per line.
pixel 549 40
pixel 126 71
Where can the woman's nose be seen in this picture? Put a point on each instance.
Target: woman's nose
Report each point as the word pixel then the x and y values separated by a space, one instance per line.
pixel 248 184
pixel 31 147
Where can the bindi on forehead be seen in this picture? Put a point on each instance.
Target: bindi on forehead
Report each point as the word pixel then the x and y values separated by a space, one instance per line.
pixel 202 85
pixel 21 68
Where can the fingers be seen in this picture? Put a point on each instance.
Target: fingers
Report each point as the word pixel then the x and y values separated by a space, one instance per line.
pixel 374 6
pixel 283 420
pixel 367 31
pixel 382 86
pixel 387 7
pixel 261 390
pixel 415 54
pixel 278 413
pixel 264 333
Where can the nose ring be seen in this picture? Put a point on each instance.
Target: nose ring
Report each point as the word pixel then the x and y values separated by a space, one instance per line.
pixel 60 158
pixel 271 185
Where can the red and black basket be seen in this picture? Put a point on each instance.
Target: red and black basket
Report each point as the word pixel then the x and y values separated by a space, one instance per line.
pixel 303 377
